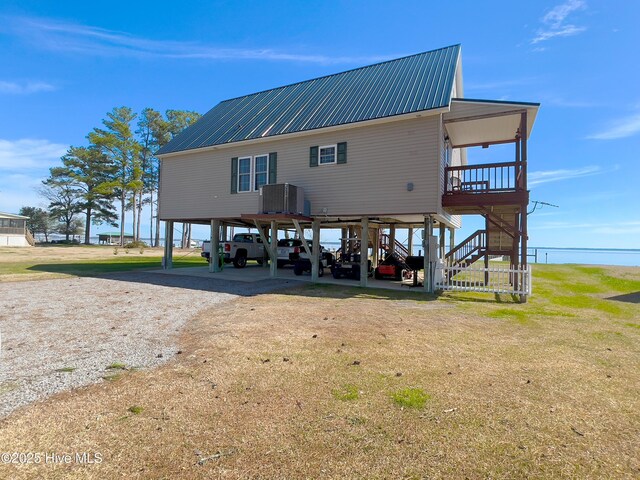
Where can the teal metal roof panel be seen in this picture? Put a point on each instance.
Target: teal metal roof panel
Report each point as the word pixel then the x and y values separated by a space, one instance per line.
pixel 406 85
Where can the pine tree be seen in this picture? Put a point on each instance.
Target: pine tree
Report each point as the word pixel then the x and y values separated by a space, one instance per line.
pixel 118 143
pixel 90 172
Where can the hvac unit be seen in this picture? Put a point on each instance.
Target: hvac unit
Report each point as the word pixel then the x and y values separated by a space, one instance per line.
pixel 281 198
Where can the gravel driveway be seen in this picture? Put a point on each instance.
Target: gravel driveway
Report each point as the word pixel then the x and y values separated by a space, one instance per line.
pixel 62 334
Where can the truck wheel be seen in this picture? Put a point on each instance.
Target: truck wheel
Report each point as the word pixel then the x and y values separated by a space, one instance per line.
pixel 240 262
pixel 377 274
pixel 297 269
pixel 336 273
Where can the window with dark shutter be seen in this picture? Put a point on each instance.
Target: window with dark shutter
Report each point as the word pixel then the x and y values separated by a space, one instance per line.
pixel 342 152
pixel 273 167
pixel 234 175
pixel 313 156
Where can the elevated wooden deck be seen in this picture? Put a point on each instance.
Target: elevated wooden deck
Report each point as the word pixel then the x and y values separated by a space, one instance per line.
pixel 473 189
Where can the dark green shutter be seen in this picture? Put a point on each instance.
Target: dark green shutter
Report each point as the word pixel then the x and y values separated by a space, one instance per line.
pixel 342 152
pixel 234 175
pixel 273 168
pixel 313 157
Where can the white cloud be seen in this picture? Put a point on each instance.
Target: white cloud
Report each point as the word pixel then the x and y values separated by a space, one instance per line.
pixel 617 230
pixel 547 176
pixel 27 154
pixel 17 88
pixel 557 15
pixel 499 85
pixel 566 31
pixel 604 196
pixel 623 128
pixel 23 165
pixel 18 191
pixel 558 101
pixel 85 39
pixel 554 22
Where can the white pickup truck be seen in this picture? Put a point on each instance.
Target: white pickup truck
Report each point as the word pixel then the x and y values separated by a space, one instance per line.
pixel 243 247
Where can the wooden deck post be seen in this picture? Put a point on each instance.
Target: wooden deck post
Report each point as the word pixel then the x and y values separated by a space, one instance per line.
pixel 452 238
pixel 514 252
pixel 344 233
pixel 273 246
pixel 486 269
pixel 428 232
pixel 168 245
pixel 392 238
pixel 364 253
pixel 441 240
pixel 410 240
pixel 315 249
pixel 376 246
pixel 214 266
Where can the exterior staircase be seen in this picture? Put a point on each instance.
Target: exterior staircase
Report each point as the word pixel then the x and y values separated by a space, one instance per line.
pixel 469 251
pixel 397 248
pixel 398 251
pixel 29 236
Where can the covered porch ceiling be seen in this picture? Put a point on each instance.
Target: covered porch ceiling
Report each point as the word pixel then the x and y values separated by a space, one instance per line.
pixel 486 122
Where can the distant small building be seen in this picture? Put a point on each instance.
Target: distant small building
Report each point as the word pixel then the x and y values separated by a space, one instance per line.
pixel 13 231
pixel 113 238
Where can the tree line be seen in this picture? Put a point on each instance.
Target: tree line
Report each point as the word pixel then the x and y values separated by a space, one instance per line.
pixel 115 174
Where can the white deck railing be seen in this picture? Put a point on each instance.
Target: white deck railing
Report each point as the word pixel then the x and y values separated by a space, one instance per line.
pixel 489 280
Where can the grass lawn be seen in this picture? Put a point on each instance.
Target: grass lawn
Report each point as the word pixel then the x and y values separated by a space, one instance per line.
pixel 329 382
pixel 61 260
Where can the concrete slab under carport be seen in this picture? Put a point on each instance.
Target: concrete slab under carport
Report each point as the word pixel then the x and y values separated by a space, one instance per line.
pixel 257 273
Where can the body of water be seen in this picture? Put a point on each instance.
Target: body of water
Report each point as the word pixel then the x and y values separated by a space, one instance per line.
pixel 588 256
pixel 591 256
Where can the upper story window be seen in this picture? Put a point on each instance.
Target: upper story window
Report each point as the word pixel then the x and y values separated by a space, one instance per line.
pixel 261 171
pixel 327 154
pixel 244 174
pixel 250 173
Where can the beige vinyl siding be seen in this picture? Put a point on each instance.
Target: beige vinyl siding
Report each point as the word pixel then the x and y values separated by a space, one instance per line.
pixel 381 160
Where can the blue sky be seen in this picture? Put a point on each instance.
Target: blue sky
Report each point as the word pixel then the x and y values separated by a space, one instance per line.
pixel 65 64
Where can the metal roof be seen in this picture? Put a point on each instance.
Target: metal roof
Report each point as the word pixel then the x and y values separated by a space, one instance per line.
pixel 405 85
